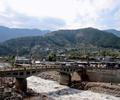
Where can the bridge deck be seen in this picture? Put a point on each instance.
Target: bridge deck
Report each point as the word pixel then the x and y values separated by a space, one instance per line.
pixel 25 70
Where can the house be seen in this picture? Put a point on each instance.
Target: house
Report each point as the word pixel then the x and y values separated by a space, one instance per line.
pixel 22 60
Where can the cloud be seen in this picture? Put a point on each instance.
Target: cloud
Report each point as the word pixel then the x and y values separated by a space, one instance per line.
pixel 10 18
pixel 96 13
pixel 48 23
pixel 57 14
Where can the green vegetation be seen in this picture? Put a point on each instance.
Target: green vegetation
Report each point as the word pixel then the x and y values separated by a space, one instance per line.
pixel 51 57
pixel 93 53
pixel 9 59
pixel 64 40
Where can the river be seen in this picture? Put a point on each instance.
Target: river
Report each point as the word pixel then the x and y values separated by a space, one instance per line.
pixel 59 92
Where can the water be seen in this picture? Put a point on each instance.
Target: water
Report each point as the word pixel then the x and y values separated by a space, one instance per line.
pixel 60 92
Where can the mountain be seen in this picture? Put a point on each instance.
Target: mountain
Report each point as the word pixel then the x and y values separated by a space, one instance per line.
pixel 87 36
pixel 61 39
pixel 116 32
pixel 9 33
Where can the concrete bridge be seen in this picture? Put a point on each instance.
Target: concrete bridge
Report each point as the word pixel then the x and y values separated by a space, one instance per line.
pixel 86 73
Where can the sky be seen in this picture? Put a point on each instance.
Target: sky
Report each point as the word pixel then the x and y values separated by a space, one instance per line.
pixel 60 14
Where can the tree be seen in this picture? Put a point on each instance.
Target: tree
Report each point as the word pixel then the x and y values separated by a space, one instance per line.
pixel 51 57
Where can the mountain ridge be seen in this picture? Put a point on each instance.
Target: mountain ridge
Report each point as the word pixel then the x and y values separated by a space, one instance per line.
pixel 61 39
pixel 9 33
pixel 114 31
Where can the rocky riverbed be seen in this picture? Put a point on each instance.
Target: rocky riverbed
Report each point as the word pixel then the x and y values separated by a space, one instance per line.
pixel 54 91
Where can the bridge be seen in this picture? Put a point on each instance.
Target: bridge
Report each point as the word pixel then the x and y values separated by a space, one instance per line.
pixel 84 70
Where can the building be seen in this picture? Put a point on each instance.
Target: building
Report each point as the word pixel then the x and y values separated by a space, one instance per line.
pixel 22 60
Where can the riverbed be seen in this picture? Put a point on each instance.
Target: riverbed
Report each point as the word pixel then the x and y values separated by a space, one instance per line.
pixel 60 92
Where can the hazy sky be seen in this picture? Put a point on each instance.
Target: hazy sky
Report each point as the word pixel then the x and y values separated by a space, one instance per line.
pixel 60 14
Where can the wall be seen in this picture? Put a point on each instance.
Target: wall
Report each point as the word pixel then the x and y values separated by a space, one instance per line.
pixel 104 75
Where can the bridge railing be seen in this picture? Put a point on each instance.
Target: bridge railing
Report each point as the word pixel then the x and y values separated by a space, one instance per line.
pixel 57 67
